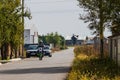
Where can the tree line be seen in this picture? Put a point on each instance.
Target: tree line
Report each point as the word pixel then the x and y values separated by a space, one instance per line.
pixel 11 28
pixel 101 14
pixel 57 40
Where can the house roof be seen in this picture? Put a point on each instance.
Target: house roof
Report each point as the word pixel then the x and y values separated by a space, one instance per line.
pixel 79 38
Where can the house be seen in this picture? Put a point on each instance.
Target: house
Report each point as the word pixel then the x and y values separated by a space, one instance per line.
pixel 114 48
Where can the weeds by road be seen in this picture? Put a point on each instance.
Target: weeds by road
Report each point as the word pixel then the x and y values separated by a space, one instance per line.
pixel 91 67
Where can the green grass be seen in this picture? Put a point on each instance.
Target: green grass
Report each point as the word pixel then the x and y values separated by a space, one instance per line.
pixel 89 67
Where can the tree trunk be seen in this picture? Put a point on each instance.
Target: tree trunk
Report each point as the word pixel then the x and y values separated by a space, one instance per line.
pixel 17 51
pixel 101 30
pixel 20 50
pixel 8 50
pixel 5 51
pixel 11 53
pixel 101 48
pixel 2 52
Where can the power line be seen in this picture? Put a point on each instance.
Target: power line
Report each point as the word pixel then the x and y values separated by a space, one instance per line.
pixel 56 12
pixel 40 2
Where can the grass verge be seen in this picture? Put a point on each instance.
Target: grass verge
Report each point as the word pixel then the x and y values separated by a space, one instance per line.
pixel 91 67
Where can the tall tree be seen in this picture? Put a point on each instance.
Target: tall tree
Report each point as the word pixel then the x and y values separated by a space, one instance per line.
pixel 54 38
pixel 11 26
pixel 114 11
pixel 97 15
pixel 7 17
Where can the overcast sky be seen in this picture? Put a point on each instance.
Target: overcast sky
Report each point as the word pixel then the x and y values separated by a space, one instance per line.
pixel 60 16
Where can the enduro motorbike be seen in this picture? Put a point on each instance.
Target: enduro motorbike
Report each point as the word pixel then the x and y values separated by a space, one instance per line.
pixel 40 54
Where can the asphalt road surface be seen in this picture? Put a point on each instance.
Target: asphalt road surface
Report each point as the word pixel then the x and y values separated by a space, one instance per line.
pixel 50 68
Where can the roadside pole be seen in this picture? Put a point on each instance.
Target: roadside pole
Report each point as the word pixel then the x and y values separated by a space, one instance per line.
pixel 23 27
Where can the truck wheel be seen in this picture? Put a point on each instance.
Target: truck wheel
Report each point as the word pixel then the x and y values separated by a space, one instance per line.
pixel 50 55
pixel 28 55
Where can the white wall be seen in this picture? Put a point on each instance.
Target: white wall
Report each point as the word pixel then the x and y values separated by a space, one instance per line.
pixel 30 39
pixel 26 36
pixel 35 37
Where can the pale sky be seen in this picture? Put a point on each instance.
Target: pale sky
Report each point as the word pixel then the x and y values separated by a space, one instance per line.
pixel 60 16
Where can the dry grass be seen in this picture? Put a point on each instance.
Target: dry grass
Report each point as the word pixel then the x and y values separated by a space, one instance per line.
pixel 88 66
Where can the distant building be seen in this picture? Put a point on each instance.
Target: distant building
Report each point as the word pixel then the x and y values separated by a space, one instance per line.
pixel 89 41
pixel 30 39
pixel 69 41
pixel 80 42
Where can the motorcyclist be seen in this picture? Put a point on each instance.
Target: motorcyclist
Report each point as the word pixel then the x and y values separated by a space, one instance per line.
pixel 40 50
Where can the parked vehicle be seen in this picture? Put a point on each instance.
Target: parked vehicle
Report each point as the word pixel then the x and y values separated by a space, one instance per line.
pixel 47 51
pixel 26 46
pixel 32 50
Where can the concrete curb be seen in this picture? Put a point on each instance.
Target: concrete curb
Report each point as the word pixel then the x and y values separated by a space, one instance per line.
pixel 15 59
pixel 11 60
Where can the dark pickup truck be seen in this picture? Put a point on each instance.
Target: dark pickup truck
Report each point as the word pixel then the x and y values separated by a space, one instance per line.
pixel 32 50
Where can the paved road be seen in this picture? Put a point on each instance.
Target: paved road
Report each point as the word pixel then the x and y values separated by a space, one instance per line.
pixel 54 68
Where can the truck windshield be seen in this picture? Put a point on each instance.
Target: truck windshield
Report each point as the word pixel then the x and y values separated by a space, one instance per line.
pixel 32 47
pixel 46 47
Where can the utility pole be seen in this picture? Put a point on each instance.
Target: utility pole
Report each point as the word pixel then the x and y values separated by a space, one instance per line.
pixel 23 12
pixel 23 27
